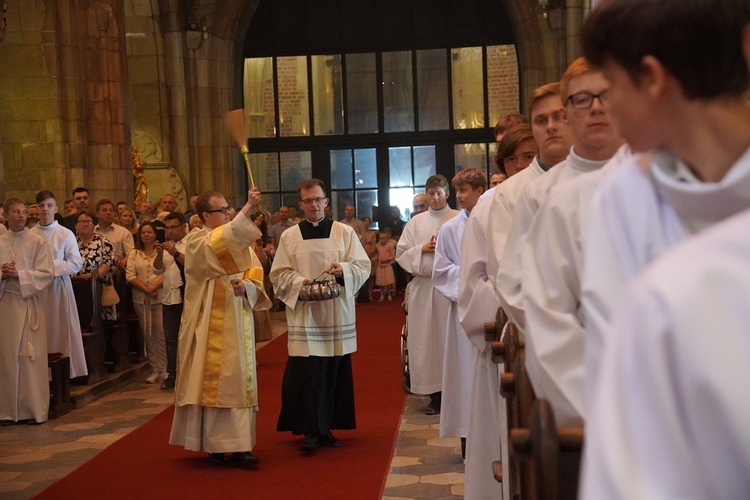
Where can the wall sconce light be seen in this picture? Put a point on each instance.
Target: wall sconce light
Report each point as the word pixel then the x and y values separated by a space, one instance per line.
pixel 196 33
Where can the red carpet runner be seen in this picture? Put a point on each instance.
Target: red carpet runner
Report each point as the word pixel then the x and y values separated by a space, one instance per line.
pixel 143 464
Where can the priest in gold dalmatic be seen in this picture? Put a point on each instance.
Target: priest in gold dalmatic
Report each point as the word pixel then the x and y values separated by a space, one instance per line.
pixel 217 394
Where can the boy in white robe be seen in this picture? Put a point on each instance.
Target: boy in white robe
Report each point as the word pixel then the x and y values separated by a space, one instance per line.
pixel 583 91
pixel 669 418
pixel 458 366
pixel 428 309
pixel 26 270
pixel 317 393
pixel 552 268
pixel 693 111
pixel 216 396
pixel 699 123
pixel 63 334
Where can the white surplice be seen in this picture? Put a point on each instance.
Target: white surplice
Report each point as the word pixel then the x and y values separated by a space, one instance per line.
pixel 24 390
pixel 552 265
pixel 458 365
pixel 508 279
pixel 428 308
pixel 651 203
pixel 669 418
pixel 63 334
pixel 327 327
pixel 477 304
pixel 476 301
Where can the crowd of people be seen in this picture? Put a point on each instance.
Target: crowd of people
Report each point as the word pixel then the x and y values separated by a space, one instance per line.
pixel 613 234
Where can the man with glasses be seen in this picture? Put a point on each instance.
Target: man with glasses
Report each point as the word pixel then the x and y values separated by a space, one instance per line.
pixel 548 275
pixel 317 394
pixel 216 396
pixel 26 270
pixel 172 266
pixel 583 90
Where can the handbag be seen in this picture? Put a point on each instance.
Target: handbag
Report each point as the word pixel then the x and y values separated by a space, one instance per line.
pixel 109 296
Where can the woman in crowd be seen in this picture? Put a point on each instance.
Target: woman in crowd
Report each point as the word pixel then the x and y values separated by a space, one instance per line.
pixel 195 222
pixel 264 250
pixel 98 255
pixel 147 290
pixel 369 242
pixel 127 220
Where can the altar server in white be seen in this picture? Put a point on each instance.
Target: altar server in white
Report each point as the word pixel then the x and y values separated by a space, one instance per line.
pixel 693 112
pixel 552 271
pixel 669 417
pixel 64 333
pixel 458 365
pixel 428 308
pixel 583 91
pixel 26 270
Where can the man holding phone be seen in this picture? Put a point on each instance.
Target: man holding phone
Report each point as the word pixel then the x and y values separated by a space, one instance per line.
pixel 172 266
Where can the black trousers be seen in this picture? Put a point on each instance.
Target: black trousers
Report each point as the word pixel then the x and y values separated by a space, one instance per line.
pixel 171 320
pixel 317 395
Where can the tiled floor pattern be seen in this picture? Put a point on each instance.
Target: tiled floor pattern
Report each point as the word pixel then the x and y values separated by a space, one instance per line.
pixel 33 457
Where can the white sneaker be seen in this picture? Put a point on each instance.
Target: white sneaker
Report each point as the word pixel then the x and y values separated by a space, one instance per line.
pixel 152 378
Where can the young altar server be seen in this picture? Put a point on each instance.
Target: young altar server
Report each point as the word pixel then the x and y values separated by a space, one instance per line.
pixel 64 333
pixel 583 92
pixel 458 366
pixel 428 309
pixel 672 94
pixel 669 417
pixel 26 270
pixel 477 300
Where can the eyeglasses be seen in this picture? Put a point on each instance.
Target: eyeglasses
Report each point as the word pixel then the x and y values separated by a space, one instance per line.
pixel 317 201
pixel 584 100
pixel 224 210
pixel 85 221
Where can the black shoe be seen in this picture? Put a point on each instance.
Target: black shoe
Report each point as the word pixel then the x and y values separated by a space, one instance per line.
pixel 245 458
pixel 311 443
pixel 329 440
pixel 168 384
pixel 434 407
pixel 217 458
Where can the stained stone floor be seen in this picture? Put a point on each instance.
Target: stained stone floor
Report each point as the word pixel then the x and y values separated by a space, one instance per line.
pixel 33 457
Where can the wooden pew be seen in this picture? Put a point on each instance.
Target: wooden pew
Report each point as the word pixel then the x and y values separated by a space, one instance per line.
pixel 544 461
pixel 88 294
pixel 554 455
pixel 118 335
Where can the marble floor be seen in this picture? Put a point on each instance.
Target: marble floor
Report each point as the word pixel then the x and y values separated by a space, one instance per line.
pixel 33 457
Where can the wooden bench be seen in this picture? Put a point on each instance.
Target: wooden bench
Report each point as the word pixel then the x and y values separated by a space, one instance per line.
pixel 59 384
pixel 117 333
pixel 544 461
pixel 88 294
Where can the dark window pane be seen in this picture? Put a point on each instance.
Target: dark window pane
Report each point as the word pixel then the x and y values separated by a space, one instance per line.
pixel 341 169
pixel 295 167
pixel 398 92
pixel 424 164
pixel 365 201
pixel 339 201
pixel 399 165
pixel 362 99
pixel 365 168
pixel 432 81
pixel 265 167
